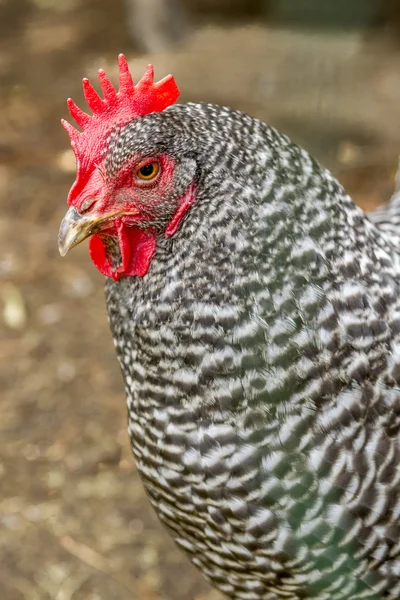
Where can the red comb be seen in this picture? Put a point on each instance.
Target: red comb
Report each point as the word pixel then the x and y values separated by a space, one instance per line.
pixel 129 103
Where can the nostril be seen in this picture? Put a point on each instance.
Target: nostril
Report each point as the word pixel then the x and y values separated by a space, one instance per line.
pixel 87 205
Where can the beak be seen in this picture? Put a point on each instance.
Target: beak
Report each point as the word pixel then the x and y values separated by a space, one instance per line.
pixel 75 228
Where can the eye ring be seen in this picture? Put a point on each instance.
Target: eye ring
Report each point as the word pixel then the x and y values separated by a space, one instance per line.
pixel 148 172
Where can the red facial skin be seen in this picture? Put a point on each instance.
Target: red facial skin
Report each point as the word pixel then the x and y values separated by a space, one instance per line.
pixel 128 205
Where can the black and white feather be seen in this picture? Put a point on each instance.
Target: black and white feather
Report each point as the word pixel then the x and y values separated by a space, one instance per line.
pixel 261 358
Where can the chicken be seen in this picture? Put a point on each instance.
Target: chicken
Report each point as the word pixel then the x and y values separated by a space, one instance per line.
pixel 256 316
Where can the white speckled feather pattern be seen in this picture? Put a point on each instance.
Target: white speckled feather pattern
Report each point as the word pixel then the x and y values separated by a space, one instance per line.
pixel 261 357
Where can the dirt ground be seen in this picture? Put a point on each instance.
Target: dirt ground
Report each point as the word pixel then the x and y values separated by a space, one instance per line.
pixel 74 521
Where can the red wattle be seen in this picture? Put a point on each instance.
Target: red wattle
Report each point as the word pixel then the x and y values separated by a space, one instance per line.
pixel 98 254
pixel 137 249
pixel 142 247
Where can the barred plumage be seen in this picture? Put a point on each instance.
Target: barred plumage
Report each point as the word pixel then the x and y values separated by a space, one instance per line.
pixel 261 357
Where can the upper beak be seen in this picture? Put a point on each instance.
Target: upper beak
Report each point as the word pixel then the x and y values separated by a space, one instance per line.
pixel 75 228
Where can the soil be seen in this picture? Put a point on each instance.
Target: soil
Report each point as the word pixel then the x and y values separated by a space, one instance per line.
pixel 74 520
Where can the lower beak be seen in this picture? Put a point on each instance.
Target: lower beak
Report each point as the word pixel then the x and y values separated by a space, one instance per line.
pixel 75 228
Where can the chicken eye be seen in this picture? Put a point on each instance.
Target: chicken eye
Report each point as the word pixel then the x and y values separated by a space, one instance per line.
pixel 148 171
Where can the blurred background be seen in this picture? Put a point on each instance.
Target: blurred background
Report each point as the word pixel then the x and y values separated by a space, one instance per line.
pixel 74 520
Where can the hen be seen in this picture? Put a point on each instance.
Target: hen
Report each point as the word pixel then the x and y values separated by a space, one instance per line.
pixel 256 316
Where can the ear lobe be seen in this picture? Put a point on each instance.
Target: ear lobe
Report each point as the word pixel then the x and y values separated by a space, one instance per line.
pixel 186 202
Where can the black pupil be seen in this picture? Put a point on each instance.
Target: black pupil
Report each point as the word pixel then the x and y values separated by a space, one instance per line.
pixel 147 170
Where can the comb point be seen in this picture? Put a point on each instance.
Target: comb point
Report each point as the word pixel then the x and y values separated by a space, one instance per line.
pixel 106 85
pixel 126 85
pixel 122 62
pixel 148 78
pixel 73 133
pixel 82 118
pixel 94 102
